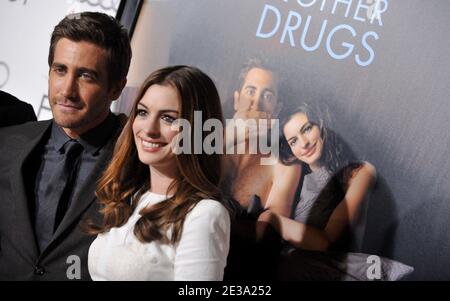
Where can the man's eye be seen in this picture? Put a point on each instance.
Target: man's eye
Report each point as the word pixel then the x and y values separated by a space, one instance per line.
pixel 269 96
pixel 250 92
pixel 88 76
pixel 59 70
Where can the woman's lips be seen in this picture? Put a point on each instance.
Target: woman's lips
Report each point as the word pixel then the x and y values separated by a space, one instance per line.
pixel 151 146
pixel 310 151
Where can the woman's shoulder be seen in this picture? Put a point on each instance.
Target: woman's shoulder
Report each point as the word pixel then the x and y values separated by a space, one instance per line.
pixel 209 206
pixel 364 169
pixel 209 212
pixel 368 169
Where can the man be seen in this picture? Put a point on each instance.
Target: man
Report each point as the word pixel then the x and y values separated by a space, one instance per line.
pixel 14 111
pixel 255 245
pixel 275 184
pixel 49 169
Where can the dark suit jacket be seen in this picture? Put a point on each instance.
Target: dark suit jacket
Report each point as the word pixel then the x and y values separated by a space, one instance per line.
pixel 19 253
pixel 13 111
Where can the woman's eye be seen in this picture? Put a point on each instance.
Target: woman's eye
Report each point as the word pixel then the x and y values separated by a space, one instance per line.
pixel 292 142
pixel 308 128
pixel 141 112
pixel 168 118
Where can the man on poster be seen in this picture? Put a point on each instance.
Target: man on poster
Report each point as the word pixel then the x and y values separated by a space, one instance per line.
pixel 250 183
pixel 248 174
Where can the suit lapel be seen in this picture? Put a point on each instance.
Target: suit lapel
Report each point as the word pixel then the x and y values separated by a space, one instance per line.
pixel 21 203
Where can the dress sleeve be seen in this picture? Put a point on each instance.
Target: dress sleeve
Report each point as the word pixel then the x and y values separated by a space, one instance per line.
pixel 202 251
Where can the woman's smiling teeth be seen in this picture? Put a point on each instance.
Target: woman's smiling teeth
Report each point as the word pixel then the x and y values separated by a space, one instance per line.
pixel 148 144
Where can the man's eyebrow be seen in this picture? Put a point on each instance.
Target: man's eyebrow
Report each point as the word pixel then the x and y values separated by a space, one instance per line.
pixel 270 90
pixel 58 65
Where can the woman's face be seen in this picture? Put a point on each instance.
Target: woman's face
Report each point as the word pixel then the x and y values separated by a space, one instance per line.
pixel 152 128
pixel 304 139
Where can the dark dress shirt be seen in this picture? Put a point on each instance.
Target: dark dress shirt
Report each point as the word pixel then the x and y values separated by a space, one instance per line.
pixel 92 142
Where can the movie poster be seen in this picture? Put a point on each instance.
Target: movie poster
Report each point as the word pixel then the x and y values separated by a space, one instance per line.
pixel 378 70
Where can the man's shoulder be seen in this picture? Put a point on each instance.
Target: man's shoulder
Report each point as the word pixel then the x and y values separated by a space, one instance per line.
pixel 15 139
pixel 28 129
pixel 8 100
pixel 121 120
pixel 16 136
pixel 119 123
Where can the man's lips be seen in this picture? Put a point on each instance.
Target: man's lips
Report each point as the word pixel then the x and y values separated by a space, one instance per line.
pixel 69 106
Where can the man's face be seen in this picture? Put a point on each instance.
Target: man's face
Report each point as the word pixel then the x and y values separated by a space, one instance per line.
pixel 258 93
pixel 78 89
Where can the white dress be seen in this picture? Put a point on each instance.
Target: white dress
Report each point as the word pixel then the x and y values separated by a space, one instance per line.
pixel 200 254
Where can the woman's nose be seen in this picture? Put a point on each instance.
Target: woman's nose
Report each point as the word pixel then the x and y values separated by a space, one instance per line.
pixel 152 127
pixel 304 142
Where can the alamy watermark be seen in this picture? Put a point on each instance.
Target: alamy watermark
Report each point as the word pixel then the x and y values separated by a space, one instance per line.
pixel 240 136
pixel 374 270
pixel 73 271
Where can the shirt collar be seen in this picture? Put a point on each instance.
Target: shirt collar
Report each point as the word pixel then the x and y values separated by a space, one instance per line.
pixel 92 141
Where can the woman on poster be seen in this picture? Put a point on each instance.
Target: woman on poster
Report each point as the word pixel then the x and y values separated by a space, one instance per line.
pixel 333 188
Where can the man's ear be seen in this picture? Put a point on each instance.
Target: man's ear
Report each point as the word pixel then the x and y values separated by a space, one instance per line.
pixel 117 88
pixel 236 100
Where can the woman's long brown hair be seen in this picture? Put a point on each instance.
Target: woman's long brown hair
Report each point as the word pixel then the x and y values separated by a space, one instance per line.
pixel 126 179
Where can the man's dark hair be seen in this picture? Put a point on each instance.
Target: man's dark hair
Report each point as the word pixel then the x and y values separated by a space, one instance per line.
pixel 255 62
pixel 101 30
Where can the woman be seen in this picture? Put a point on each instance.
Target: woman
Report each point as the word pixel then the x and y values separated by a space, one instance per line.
pixel 163 216
pixel 331 193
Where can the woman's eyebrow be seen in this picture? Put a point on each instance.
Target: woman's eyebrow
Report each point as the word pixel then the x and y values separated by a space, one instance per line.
pixel 168 111
pixel 161 111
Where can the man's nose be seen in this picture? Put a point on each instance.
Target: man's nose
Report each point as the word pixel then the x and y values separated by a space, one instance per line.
pixel 70 86
pixel 256 102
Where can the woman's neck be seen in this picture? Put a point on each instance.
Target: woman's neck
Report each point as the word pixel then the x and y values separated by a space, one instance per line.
pixel 160 181
pixel 315 167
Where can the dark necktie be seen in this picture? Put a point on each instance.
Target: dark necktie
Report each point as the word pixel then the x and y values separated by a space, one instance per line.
pixel 57 195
